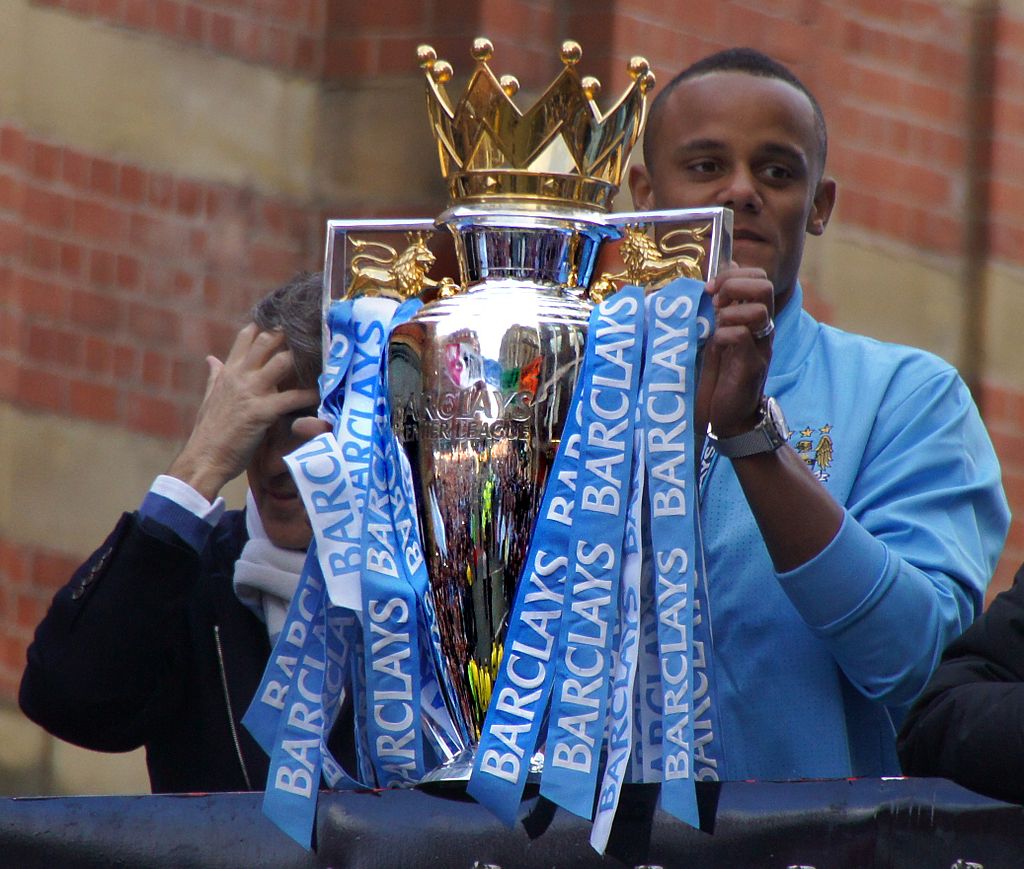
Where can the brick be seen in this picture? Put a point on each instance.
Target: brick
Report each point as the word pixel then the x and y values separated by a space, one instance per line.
pixel 279 47
pixel 1009 448
pixel 316 15
pixel 308 55
pixel 76 169
pixel 111 10
pixel 98 355
pixel 150 415
pixel 97 311
pixel 151 323
pixel 41 252
pixel 137 13
pixel 104 177
pixel 41 298
pixel 248 40
pixel 44 161
pixel 133 184
pixel 219 337
pixel 127 272
pixel 126 362
pixel 13 146
pixel 11 329
pixel 397 56
pixel 72 259
pixel 99 222
pixel 102 268
pixel 273 264
pixel 995 402
pixel 8 379
pixel 144 234
pixel 224 201
pixel 394 15
pixel 935 103
pixel 184 283
pixel 12 238
pixel 28 611
pixel 41 389
pixel 194 22
pixel 14 563
pixel 156 369
pixel 167 17
pixel 189 198
pixel 188 376
pixel 222 32
pixel 47 210
pixel 93 401
pixel 198 244
pixel 52 570
pixel 347 56
pixel 161 190
pixel 12 192
pixel 293 12
pixel 55 346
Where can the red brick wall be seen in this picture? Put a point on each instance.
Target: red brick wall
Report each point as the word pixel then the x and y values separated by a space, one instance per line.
pixel 117 280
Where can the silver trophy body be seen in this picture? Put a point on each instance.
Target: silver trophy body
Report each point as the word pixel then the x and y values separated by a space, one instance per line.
pixel 479 387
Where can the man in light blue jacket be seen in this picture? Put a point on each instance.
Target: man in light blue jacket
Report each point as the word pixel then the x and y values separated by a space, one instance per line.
pixel 851 505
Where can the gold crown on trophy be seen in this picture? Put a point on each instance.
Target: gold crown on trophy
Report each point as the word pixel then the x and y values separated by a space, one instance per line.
pixel 561 152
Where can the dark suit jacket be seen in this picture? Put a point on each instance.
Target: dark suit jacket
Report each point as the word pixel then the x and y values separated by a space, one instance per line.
pixel 148 645
pixel 968 724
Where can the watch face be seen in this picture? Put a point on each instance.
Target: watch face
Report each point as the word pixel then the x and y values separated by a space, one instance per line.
pixel 775 419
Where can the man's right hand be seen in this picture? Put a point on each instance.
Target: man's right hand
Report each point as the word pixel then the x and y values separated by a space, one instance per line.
pixel 245 395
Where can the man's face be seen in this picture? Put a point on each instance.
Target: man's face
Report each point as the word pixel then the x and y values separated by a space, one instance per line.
pixel 749 143
pixel 277 499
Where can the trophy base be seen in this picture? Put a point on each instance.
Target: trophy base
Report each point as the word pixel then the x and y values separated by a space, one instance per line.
pixel 457 771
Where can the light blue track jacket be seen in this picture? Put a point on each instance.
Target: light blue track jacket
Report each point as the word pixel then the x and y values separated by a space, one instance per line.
pixel 812 667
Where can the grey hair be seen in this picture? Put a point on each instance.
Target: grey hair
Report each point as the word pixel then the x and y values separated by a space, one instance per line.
pixel 297 310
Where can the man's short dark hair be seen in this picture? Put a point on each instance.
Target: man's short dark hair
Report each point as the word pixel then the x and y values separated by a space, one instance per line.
pixel 749 61
pixel 297 310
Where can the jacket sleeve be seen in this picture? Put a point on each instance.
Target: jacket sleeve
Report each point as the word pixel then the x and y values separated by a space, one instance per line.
pixel 968 725
pixel 924 526
pixel 105 664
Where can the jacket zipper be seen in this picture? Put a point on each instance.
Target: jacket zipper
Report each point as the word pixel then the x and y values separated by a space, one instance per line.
pixel 227 701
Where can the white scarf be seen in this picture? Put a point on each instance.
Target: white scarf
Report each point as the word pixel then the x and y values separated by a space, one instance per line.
pixel 266 575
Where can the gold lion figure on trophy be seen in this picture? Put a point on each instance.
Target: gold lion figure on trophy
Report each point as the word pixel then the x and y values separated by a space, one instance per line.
pixel 652 265
pixel 378 269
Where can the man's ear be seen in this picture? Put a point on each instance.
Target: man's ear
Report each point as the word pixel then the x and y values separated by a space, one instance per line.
pixel 640 188
pixel 821 207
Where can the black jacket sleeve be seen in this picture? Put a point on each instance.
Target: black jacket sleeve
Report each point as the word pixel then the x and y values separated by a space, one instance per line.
pixel 968 724
pixel 105 665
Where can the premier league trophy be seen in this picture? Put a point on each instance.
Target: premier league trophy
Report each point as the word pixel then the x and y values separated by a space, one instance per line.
pixel 462 431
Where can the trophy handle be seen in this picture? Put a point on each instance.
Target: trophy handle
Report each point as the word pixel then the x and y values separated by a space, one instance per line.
pixel 655 248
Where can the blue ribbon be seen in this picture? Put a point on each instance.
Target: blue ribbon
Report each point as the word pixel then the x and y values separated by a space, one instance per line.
pixel 391 645
pixel 580 696
pixel 341 337
pixel 669 393
pixel 511 728
pixel 296 760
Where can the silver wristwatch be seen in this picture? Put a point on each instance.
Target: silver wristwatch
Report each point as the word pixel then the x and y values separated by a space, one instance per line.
pixel 768 435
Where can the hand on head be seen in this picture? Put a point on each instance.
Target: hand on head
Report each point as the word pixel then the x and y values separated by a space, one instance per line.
pixel 245 395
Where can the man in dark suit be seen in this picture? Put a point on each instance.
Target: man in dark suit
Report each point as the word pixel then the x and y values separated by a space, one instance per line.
pixel 161 637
